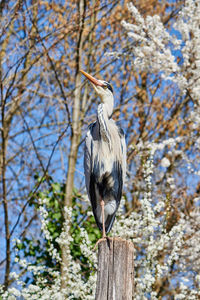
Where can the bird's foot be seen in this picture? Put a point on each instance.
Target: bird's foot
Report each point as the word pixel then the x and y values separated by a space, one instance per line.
pixel 105 238
pixel 100 240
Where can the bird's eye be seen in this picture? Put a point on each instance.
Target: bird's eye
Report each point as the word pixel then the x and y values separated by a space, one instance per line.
pixel 109 87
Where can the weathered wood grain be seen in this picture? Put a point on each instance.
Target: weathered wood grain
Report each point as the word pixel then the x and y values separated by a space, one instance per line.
pixel 115 276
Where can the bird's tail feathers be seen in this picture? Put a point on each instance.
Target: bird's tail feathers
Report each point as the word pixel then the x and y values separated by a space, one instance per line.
pixel 107 180
pixel 105 184
pixel 104 190
pixel 108 222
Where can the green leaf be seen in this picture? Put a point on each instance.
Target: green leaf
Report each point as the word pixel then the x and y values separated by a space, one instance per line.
pixel 56 187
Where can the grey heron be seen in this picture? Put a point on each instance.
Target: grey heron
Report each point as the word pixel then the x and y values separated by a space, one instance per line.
pixel 104 159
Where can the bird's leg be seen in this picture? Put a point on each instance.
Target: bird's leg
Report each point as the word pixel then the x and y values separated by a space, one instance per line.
pixel 103 217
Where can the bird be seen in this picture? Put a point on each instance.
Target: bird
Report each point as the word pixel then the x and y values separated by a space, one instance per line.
pixel 104 159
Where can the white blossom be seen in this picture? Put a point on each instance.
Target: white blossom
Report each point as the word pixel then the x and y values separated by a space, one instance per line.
pixel 165 162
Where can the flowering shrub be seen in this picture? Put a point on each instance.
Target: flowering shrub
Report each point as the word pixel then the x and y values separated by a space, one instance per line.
pixel 156 49
pixel 41 260
pixel 174 53
pixel 161 251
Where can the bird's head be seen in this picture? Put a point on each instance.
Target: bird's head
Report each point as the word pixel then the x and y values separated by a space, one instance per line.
pixel 102 88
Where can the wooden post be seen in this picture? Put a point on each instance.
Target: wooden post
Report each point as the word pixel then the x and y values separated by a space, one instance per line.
pixel 115 276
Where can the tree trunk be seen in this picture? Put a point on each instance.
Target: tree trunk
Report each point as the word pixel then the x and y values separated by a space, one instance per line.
pixel 75 137
pixel 115 277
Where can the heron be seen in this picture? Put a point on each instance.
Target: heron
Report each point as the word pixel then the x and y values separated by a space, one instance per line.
pixel 104 159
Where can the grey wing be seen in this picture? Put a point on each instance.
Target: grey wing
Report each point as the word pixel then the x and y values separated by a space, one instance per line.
pixel 89 175
pixel 122 170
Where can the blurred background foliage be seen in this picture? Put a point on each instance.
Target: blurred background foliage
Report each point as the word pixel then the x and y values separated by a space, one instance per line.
pixel 46 108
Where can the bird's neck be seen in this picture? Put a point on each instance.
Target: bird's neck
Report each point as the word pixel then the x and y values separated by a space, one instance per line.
pixel 103 114
pixel 108 104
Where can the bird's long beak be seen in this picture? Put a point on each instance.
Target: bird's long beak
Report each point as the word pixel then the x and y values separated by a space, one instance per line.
pixel 92 79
